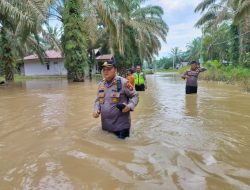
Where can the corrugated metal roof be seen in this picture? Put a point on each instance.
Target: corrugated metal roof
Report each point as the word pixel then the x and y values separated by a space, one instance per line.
pixel 51 54
pixel 105 57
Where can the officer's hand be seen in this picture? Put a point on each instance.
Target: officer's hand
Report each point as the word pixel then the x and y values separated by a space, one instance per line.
pixel 96 114
pixel 126 109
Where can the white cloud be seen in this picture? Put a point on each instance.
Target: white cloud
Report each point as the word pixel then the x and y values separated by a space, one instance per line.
pixel 179 36
pixel 180 17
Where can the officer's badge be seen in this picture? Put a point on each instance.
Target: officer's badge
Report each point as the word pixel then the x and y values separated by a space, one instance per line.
pixel 102 87
pixel 115 100
pixel 101 100
pixel 129 86
pixel 101 95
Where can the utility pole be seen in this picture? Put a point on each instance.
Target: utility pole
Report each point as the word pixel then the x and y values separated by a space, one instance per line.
pixel 173 61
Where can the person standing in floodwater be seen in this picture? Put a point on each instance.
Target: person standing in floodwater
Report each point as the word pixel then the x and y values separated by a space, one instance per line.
pixel 115 100
pixel 130 77
pixel 140 79
pixel 191 76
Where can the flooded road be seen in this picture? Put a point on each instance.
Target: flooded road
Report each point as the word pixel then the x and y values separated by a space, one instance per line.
pixel 49 140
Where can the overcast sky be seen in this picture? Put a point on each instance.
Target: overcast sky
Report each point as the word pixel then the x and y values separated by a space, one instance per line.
pixel 180 17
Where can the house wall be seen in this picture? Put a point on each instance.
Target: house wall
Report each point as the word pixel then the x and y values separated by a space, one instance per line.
pixel 95 69
pixel 35 68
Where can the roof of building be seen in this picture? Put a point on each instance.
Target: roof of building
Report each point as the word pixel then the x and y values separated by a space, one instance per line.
pixel 50 54
pixel 104 57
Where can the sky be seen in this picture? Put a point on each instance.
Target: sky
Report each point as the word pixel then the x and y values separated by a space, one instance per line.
pixel 180 18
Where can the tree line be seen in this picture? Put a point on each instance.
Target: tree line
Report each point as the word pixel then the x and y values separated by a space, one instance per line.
pixel 225 26
pixel 130 30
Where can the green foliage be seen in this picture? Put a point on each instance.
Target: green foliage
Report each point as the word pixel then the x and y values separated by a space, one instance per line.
pixel 235 45
pixel 139 34
pixel 7 56
pixel 74 41
pixel 183 69
pixel 215 44
pixel 164 63
pixel 194 49
pixel 246 60
pixel 213 65
pixel 218 14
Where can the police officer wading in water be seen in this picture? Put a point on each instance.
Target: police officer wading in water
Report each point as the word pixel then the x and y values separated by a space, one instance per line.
pixel 140 79
pixel 115 99
pixel 191 75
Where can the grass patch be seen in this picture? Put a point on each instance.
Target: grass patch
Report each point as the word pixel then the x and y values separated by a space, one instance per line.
pixel 18 78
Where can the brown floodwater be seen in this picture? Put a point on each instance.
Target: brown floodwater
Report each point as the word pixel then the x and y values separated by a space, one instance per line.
pixel 49 140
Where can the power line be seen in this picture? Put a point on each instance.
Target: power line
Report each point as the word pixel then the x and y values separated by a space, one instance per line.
pixel 230 39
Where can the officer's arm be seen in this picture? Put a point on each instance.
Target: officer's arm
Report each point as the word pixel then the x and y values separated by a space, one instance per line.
pixel 132 95
pixel 97 103
pixel 202 69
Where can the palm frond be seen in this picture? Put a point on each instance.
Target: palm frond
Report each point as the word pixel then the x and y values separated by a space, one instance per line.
pixel 202 6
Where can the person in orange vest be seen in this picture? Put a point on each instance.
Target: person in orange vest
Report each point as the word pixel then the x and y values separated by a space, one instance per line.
pixel 130 77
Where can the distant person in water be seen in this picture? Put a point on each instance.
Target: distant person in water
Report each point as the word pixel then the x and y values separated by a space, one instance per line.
pixel 140 79
pixel 191 77
pixel 130 77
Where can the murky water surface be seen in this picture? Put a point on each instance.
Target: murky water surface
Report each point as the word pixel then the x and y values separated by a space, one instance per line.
pixel 48 139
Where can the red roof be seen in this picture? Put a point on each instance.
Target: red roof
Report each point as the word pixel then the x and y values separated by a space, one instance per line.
pixel 51 54
pixel 104 57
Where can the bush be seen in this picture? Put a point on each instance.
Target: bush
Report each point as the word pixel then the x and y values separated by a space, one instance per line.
pixel 215 64
pixel 183 69
pixel 246 60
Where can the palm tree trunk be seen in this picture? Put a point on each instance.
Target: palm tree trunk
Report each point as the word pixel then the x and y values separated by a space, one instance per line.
pixel 7 57
pixel 244 36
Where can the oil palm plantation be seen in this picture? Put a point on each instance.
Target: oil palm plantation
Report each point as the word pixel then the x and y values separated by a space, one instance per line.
pixel 193 49
pixel 175 54
pixel 21 23
pixel 143 29
pixel 82 23
pixel 237 12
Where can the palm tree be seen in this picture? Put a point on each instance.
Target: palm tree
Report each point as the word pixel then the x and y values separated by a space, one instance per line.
pixel 194 49
pixel 138 35
pixel 218 11
pixel 20 25
pixel 82 20
pixel 175 52
pixel 148 27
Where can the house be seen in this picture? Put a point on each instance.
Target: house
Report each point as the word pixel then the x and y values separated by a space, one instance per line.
pixel 182 64
pixel 100 60
pixel 53 64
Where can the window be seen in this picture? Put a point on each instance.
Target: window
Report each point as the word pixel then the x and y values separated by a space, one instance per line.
pixel 55 62
pixel 47 66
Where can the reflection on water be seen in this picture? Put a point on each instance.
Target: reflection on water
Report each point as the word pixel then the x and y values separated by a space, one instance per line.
pixel 191 105
pixel 48 139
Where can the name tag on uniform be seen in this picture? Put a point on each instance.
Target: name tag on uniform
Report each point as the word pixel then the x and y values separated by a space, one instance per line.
pixel 101 100
pixel 101 95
